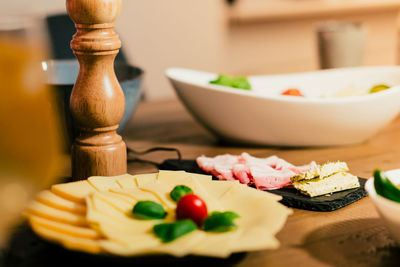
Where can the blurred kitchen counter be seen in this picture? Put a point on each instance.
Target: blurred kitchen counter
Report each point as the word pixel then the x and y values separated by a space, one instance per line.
pixel 278 36
pixel 278 10
pixel 351 236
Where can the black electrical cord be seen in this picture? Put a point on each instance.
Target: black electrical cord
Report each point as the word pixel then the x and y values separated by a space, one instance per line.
pixel 133 153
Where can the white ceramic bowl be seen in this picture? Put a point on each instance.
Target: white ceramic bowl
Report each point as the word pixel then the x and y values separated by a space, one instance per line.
pixel 264 117
pixel 388 210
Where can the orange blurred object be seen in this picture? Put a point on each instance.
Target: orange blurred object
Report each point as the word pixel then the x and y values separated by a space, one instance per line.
pixel 292 92
pixel 30 135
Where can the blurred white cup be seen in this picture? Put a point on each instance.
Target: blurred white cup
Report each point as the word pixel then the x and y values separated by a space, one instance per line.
pixel 341 44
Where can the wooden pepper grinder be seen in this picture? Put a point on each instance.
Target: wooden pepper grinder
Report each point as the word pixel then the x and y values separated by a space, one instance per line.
pixel 97 101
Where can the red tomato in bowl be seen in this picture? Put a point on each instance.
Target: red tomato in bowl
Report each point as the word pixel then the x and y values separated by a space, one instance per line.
pixel 292 92
pixel 191 207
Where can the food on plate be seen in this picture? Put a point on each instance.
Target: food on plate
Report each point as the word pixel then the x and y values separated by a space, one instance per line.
pixel 292 92
pixel 274 173
pixel 325 179
pixel 191 211
pixel 384 187
pixel 220 221
pixel 353 91
pixel 378 88
pixel 321 171
pixel 191 207
pixel 148 210
pixel 236 217
pixel 168 232
pixel 239 82
pixel 265 173
pixel 179 191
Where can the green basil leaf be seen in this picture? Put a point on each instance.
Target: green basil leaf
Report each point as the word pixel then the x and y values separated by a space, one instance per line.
pixel 240 82
pixel 179 191
pixel 223 79
pixel 220 221
pixel 168 232
pixel 384 187
pixel 231 215
pixel 148 210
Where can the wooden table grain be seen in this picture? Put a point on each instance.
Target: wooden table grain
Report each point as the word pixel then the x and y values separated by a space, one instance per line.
pixel 351 236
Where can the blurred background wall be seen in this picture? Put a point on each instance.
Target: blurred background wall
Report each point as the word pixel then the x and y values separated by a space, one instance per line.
pixel 249 37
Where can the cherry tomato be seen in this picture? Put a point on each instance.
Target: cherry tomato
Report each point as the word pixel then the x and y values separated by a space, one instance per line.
pixel 191 207
pixel 292 92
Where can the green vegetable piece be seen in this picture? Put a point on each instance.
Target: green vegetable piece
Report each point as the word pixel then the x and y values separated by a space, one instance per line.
pixel 239 82
pixel 148 210
pixel 220 221
pixel 378 88
pixel 223 79
pixel 384 187
pixel 179 191
pixel 168 232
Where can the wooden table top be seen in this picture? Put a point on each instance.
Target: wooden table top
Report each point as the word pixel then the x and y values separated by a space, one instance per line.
pixel 351 236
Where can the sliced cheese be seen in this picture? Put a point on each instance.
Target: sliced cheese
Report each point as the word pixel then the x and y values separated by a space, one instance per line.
pixel 127 236
pixel 253 192
pixel 181 246
pixel 137 194
pixel 146 178
pixel 49 198
pixel 105 214
pixel 77 231
pixel 135 241
pixel 42 210
pixel 120 196
pixel 101 205
pixel 262 194
pixel 74 191
pixel 126 181
pixel 217 188
pixel 103 183
pixel 161 191
pixel 321 171
pixel 203 177
pixel 167 180
pixel 172 177
pixel 68 241
pixel 110 226
pixel 212 202
pixel 118 248
pixel 260 218
pixel 334 183
pixel 216 244
pixel 265 213
pixel 121 203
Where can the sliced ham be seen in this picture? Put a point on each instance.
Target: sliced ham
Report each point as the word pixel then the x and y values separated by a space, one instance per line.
pixel 219 166
pixel 205 163
pixel 305 168
pixel 265 173
pixel 242 173
pixel 270 161
pixel 270 179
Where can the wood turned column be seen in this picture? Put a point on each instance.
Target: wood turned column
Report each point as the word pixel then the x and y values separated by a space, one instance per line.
pixel 97 101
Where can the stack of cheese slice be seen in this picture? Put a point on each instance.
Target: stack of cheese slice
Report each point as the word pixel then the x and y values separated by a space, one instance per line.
pixel 95 215
pixel 324 179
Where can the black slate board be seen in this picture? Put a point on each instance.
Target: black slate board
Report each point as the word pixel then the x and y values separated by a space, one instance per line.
pixel 290 196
